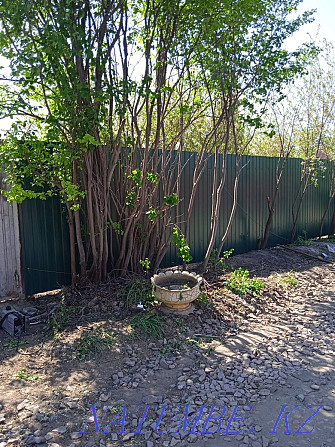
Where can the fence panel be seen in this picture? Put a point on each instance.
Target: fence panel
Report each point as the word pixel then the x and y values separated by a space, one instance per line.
pixel 44 229
pixel 10 265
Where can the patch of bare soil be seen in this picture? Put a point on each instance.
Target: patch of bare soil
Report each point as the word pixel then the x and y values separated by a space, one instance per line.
pixel 87 347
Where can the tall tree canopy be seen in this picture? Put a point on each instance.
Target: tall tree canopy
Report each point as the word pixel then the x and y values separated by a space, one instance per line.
pixel 108 94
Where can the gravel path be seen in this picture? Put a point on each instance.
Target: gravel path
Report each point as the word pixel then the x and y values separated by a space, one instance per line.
pixel 280 360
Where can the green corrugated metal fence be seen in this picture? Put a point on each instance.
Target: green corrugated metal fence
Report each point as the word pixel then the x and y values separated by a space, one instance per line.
pixel 44 230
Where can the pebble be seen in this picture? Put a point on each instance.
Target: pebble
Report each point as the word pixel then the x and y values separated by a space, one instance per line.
pixel 61 430
pixel 76 435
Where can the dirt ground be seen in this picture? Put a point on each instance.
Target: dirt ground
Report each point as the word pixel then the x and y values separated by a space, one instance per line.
pixel 84 351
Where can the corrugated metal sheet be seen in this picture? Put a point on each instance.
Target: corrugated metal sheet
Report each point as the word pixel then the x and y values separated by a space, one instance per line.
pixel 257 182
pixel 45 245
pixel 44 229
pixel 10 270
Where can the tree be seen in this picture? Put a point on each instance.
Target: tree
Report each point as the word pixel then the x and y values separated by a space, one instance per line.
pixel 244 62
pixel 110 92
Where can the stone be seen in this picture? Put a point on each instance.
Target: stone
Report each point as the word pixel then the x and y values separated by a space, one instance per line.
pixel 76 435
pixel 61 430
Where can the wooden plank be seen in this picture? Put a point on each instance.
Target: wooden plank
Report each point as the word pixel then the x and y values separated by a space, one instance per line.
pixel 10 264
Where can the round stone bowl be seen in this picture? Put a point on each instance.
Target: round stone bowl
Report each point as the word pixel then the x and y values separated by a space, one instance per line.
pixel 176 289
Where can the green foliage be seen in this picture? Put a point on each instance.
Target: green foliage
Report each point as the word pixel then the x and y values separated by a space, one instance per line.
pixel 202 60
pixel 147 325
pixel 130 199
pixel 26 376
pixel 303 240
pixel 220 265
pixel 137 292
pixel 290 280
pixel 180 242
pixel 58 320
pixel 145 263
pixel 117 228
pixel 94 341
pixel 152 214
pixel 137 177
pixel 240 283
pixel 171 200
pixel 203 300
pixel 152 178
pixel 15 344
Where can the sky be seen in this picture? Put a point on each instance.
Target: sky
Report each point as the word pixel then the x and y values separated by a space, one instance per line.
pixel 322 27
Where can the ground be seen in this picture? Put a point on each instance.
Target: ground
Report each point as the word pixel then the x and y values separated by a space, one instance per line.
pixel 248 356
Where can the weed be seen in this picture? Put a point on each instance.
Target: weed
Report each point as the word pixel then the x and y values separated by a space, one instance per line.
pixel 60 317
pixel 220 264
pixel 203 300
pixel 94 341
pixel 290 280
pixel 137 292
pixel 14 344
pixel 181 326
pixel 171 348
pixel 240 283
pixel 209 351
pixel 24 375
pixel 194 342
pixel 148 325
pixel 302 240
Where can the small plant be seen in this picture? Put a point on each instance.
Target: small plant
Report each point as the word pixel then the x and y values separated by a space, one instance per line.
pixel 147 325
pixel 203 300
pixel 181 326
pixel 302 240
pixel 171 348
pixel 15 344
pixel 184 251
pixel 60 317
pixel 290 280
pixel 145 264
pixel 24 375
pixel 240 283
pixel 220 264
pixel 94 341
pixel 137 292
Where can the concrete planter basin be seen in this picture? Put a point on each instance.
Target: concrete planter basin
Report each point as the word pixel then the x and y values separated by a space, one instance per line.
pixel 176 289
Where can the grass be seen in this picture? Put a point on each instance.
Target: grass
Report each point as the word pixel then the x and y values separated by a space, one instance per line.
pixel 302 240
pixel 94 341
pixel 15 344
pixel 241 284
pixel 137 292
pixel 24 375
pixel 147 325
pixel 204 301
pixel 58 321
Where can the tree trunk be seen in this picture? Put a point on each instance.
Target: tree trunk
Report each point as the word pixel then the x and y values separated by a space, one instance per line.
pixel 72 245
